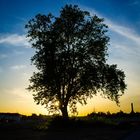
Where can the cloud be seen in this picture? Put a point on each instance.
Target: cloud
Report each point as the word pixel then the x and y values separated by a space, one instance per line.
pixel 18 67
pixel 14 40
pixel 18 52
pixel 21 19
pixel 134 3
pixel 117 28
pixel 2 56
pixel 18 94
pixel 127 49
pixel 124 31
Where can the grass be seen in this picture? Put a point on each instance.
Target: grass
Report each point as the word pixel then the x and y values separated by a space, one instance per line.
pixel 79 128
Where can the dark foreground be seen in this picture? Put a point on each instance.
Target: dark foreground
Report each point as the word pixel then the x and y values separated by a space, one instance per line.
pixel 81 134
pixel 82 131
pixel 135 135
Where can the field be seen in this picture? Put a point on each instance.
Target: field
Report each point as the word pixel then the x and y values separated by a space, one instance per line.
pixel 74 129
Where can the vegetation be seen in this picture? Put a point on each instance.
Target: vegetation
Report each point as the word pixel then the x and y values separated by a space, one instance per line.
pixel 50 123
pixel 71 52
pixel 94 126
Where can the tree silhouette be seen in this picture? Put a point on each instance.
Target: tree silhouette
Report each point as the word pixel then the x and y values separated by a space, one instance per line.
pixel 71 59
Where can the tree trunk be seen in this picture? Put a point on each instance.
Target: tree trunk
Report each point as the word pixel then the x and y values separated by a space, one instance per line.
pixel 64 112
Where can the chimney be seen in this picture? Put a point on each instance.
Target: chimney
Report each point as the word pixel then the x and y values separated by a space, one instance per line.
pixel 132 109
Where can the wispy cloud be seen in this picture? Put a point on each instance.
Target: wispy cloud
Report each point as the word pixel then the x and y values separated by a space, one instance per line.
pixel 18 52
pixel 3 56
pixel 124 31
pixel 121 30
pixel 21 19
pixel 18 93
pixel 134 3
pixel 14 40
pixel 18 67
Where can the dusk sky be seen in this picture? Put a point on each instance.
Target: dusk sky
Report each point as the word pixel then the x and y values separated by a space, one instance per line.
pixel 123 20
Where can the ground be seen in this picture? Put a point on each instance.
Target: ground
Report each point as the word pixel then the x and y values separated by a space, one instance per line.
pixel 122 127
pixel 97 132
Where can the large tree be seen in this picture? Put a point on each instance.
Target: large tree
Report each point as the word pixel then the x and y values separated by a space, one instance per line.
pixel 70 56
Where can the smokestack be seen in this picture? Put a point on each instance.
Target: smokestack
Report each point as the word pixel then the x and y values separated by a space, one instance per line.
pixel 132 109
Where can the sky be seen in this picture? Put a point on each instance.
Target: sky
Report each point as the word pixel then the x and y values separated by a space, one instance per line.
pixel 123 20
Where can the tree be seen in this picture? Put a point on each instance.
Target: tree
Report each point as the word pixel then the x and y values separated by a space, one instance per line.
pixel 71 52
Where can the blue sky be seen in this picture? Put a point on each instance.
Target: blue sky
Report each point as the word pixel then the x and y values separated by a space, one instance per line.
pixel 123 20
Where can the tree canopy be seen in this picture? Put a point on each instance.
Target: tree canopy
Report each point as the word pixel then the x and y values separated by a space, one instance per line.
pixel 71 55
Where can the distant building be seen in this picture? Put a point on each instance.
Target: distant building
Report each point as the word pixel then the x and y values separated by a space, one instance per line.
pixel 10 117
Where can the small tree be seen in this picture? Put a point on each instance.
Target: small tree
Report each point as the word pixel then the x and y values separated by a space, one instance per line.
pixel 71 59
